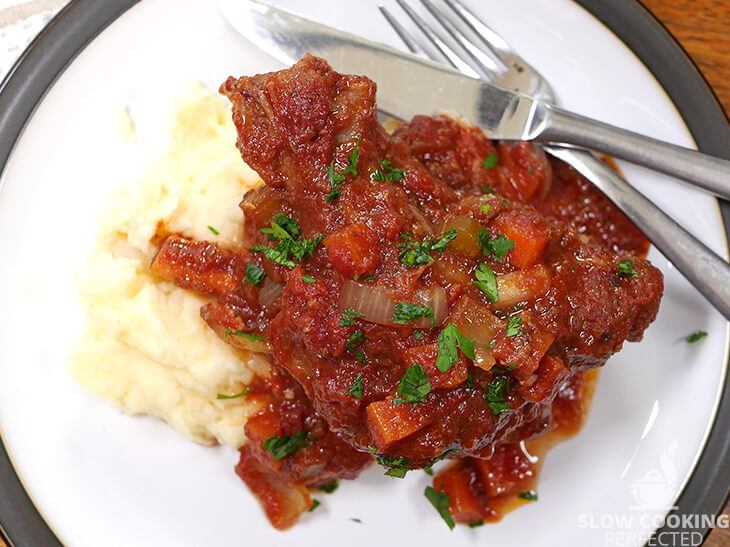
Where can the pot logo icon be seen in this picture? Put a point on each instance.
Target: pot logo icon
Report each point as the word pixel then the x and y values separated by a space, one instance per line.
pixel 657 488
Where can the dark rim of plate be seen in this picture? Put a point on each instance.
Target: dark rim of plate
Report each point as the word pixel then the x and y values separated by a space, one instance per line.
pixel 81 20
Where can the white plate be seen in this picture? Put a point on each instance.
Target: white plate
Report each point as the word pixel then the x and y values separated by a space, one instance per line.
pixel 103 478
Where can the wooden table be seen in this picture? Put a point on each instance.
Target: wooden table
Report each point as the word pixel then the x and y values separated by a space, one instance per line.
pixel 703 29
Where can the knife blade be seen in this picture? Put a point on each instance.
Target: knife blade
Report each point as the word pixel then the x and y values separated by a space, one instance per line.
pixel 409 85
pixel 287 37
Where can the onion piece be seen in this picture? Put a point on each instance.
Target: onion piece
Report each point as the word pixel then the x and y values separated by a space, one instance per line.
pixel 467 234
pixel 246 344
pixel 479 324
pixel 270 291
pixel 378 306
pixel 522 285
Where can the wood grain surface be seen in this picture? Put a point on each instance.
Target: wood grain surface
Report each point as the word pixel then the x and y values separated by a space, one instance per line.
pixel 703 29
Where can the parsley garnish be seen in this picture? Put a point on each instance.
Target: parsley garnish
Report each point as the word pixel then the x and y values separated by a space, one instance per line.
pixel 448 340
pixel 414 386
pixel 353 519
pixel 280 448
pixel 356 387
pixel 360 356
pixel 418 253
pixel 696 336
pixel 254 274
pixel 626 268
pixel 246 335
pixel 428 469
pixel 497 247
pixel 216 232
pixel 307 278
pixel 221 396
pixel 286 231
pixel 397 467
pixel 530 495
pixel 349 317
pixel 315 504
pixel 487 190
pixel 485 208
pixel 329 487
pixel 490 162
pixel 495 398
pixel 441 501
pixel 417 334
pixel 336 179
pixel 389 173
pixel 514 326
pixel 368 278
pixel 405 312
pixel 354 339
pixel 530 171
pixel 487 282
pixel 476 524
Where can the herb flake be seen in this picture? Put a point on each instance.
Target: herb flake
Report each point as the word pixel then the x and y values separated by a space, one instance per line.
pixel 356 387
pixel 448 340
pixel 696 336
pixel 221 396
pixel 626 268
pixel 405 313
pixel 415 385
pixel 254 274
pixel 441 502
pixel 495 397
pixel 491 161
pixel 487 282
pixel 280 448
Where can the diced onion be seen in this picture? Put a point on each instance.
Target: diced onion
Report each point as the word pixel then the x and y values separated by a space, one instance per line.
pixel 377 305
pixel 246 344
pixel 467 234
pixel 522 285
pixel 478 323
pixel 270 291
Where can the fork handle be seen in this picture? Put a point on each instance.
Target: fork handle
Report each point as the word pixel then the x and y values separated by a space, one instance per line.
pixel 702 267
pixel 709 173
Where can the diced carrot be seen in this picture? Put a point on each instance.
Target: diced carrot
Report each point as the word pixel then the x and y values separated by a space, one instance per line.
pixel 506 471
pixel 550 376
pixel 523 350
pixel 529 232
pixel 353 250
pixel 426 355
pixel 388 422
pixel 464 506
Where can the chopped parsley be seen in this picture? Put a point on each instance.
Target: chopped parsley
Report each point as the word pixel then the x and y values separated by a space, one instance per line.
pixel 428 469
pixel 354 339
pixel 487 282
pixel 531 495
pixel 414 386
pixel 349 317
pixel 336 179
pixel 530 171
pixel 360 356
pixel 254 274
pixel 389 173
pixel 696 336
pixel 353 519
pixel 476 524
pixel 368 278
pixel 418 253
pixel 405 312
pixel 397 467
pixel 307 278
pixel 495 396
pixel 280 448
pixel 496 247
pixel 485 208
pixel 216 232
pixel 490 162
pixel 487 190
pixel 286 231
pixel 417 335
pixel 626 268
pixel 448 340
pixel 247 335
pixel 329 487
pixel 514 326
pixel 441 501
pixel 356 387
pixel 315 504
pixel 221 396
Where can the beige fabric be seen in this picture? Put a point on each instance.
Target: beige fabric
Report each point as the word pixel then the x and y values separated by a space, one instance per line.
pixel 15 14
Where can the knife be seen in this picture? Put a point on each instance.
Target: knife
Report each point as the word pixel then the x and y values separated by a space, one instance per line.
pixel 409 85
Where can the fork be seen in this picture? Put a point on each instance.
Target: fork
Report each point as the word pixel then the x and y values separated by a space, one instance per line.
pixel 494 60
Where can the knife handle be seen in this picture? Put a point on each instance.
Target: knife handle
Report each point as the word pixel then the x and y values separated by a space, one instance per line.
pixel 707 172
pixel 709 273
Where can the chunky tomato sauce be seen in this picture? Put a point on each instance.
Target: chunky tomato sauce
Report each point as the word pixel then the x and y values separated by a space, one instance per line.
pixel 422 295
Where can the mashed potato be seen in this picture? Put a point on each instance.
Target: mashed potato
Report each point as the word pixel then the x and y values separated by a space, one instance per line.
pixel 146 349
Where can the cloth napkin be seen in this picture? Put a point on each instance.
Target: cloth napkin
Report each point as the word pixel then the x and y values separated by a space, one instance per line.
pixel 20 22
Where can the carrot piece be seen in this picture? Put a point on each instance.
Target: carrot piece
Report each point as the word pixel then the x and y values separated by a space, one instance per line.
pixel 426 357
pixel 353 250
pixel 506 472
pixel 464 505
pixel 529 232
pixel 388 423
pixel 550 377
pixel 260 427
